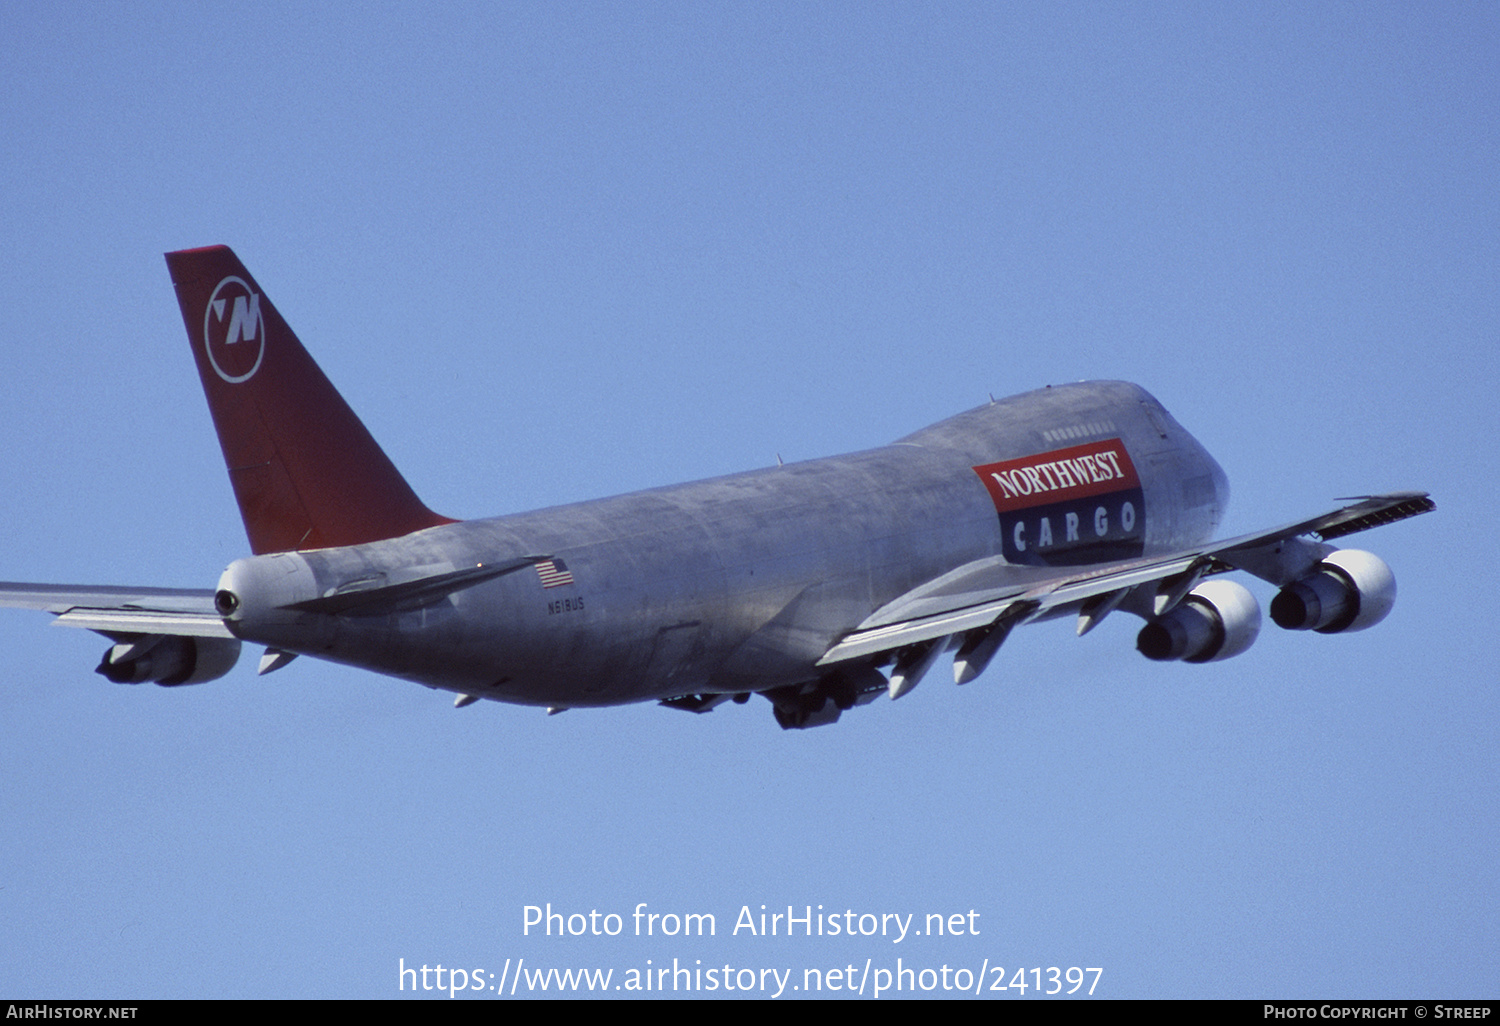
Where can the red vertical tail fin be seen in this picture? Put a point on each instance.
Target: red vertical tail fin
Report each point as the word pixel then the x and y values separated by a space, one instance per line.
pixel 306 472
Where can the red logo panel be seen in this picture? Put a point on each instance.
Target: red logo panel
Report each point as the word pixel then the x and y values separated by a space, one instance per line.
pixel 1078 472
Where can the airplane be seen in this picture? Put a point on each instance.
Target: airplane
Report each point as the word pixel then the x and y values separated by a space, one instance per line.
pixel 819 585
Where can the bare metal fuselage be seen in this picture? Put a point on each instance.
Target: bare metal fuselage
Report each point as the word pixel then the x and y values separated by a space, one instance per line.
pixel 818 585
pixel 735 584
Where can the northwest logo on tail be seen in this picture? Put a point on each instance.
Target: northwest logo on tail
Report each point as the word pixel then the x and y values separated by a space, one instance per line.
pixel 234 333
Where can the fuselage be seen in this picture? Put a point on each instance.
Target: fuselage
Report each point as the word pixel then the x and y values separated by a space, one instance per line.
pixel 742 583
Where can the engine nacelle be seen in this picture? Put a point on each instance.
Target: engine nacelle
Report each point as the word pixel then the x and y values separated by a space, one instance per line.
pixel 169 660
pixel 1215 620
pixel 1349 591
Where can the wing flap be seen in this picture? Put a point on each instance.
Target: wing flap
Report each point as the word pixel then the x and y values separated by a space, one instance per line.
pixel 885 631
pixel 142 621
pixel 110 609
pixel 861 643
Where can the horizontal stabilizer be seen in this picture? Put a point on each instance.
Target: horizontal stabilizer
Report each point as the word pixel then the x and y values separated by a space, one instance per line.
pixel 110 609
pixel 144 621
pixel 376 595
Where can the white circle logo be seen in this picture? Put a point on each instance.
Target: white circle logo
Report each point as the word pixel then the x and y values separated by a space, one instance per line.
pixel 234 333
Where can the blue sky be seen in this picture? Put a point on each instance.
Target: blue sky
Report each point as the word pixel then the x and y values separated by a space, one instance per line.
pixel 556 252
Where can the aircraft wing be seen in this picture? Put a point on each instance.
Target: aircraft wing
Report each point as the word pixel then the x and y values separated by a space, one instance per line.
pixel 189 612
pixel 979 597
pixel 110 610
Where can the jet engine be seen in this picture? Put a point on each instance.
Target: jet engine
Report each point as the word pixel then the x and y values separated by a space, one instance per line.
pixel 169 659
pixel 1349 591
pixel 1215 620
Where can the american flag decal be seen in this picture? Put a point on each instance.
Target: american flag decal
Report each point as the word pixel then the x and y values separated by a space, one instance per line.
pixel 553 574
